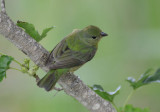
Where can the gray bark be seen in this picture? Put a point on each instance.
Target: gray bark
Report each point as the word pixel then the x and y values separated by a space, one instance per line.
pixel 70 83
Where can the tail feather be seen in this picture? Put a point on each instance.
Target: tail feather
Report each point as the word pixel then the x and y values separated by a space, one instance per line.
pixel 49 80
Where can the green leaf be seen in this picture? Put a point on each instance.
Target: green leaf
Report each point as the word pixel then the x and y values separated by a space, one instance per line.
pixel 145 78
pixel 130 108
pixel 4 65
pixel 30 29
pixel 45 31
pixel 153 78
pixel 105 95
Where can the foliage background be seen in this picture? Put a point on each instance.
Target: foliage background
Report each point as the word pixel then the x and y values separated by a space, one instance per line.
pixel 130 49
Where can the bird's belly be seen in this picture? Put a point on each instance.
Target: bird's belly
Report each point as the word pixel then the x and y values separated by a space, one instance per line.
pixel 74 68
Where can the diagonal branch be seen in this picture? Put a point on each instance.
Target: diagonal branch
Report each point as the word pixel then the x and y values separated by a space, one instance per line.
pixel 70 83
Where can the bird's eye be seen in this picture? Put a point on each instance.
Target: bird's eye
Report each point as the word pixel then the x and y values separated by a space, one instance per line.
pixel 94 37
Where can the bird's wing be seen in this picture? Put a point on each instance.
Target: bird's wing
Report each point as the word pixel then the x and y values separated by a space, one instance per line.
pixel 64 57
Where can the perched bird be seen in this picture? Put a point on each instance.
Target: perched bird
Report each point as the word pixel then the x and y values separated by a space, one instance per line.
pixel 71 53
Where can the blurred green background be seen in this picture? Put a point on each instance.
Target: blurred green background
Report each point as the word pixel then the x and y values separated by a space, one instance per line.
pixel 133 46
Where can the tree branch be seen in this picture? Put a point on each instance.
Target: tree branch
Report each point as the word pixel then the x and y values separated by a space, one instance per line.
pixel 3 6
pixel 70 83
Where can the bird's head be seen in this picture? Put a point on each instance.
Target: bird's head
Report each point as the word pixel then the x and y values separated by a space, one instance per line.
pixel 92 34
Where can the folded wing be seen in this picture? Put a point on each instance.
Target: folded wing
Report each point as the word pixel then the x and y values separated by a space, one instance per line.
pixel 64 57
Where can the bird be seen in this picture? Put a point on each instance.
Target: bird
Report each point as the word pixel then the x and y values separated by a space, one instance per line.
pixel 71 53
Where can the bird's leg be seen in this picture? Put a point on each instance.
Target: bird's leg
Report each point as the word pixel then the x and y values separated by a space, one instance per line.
pixel 71 72
pixel 36 77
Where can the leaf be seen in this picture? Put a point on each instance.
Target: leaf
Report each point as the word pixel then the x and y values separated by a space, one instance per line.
pixel 30 29
pixel 154 78
pixel 4 65
pixel 45 31
pixel 145 79
pixel 106 95
pixel 130 108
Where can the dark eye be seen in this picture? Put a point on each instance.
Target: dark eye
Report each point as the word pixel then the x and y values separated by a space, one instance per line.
pixel 94 37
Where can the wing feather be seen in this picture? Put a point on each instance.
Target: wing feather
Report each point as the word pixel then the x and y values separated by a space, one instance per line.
pixel 64 57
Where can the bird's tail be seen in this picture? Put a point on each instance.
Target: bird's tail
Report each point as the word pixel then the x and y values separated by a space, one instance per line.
pixel 49 80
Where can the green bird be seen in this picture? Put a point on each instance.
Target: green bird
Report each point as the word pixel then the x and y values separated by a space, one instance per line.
pixel 71 53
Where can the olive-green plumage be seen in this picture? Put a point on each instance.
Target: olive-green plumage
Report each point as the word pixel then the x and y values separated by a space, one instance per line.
pixel 71 53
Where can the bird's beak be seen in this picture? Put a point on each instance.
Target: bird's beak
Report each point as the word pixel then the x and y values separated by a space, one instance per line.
pixel 104 34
